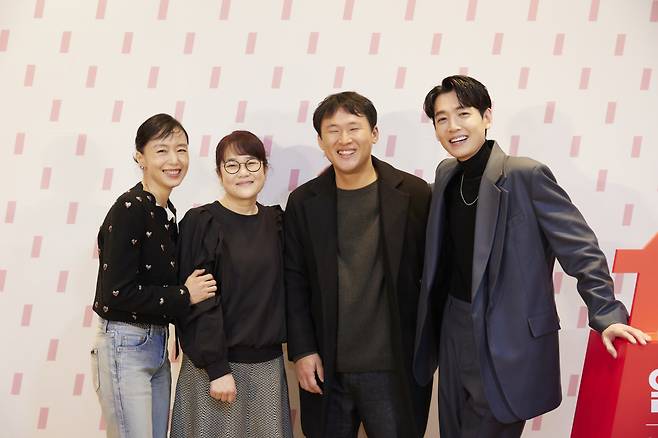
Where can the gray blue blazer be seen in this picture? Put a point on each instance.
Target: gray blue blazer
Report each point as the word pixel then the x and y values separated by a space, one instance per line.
pixel 524 221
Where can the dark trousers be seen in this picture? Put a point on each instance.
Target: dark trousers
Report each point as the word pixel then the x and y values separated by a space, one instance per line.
pixel 463 408
pixel 370 398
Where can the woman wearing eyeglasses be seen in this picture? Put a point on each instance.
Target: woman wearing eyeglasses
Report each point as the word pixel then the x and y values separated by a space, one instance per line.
pixel 232 381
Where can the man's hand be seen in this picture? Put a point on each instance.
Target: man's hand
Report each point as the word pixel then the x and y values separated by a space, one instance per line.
pixel 306 367
pixel 631 334
pixel 223 389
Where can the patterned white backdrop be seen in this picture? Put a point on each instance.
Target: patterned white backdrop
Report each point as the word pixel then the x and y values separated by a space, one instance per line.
pixel 573 81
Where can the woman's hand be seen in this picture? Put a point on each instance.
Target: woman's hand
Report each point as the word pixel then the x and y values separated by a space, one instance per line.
pixel 201 287
pixel 223 389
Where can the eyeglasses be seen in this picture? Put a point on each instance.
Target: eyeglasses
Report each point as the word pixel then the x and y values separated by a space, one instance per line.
pixel 253 165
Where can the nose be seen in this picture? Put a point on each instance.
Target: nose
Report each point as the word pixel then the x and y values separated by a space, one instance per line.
pixel 172 157
pixel 452 124
pixel 242 171
pixel 345 137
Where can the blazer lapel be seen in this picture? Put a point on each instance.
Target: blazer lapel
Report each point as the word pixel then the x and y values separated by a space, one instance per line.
pixel 486 218
pixel 433 241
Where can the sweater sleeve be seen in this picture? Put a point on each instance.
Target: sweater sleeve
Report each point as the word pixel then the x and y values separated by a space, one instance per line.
pixel 122 247
pixel 201 330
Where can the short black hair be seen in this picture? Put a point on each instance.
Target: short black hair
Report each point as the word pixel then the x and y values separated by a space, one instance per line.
pixel 244 143
pixel 470 93
pixel 157 127
pixel 349 101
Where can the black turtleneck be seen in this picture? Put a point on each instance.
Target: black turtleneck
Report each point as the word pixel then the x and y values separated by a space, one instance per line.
pixel 460 222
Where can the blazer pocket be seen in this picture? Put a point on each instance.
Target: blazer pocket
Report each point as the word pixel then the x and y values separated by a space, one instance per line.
pixel 544 324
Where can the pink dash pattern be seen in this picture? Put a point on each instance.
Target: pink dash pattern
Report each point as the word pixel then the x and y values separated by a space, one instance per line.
pixel 390 145
pixel 471 10
pixel 205 146
pixel 312 43
pixel 374 43
pixel 637 146
pixel 81 144
pixel 215 74
pixel 72 213
pixel 549 112
pixel 409 12
pixel 9 215
pixel 436 44
pixel 127 45
pixel 241 111
pixel 628 215
pixel 338 77
pixel 514 145
pixel 348 10
pixel 286 9
pixel 400 77
pixel 62 279
pixel 91 76
pixel 303 111
pixel 189 43
pixel 28 81
pixel 225 10
pixel 108 173
pixel 558 47
pixel 572 390
pixel 532 10
pixel 575 146
pixel 620 44
pixel 293 180
pixel 601 180
pixel 162 10
pixel 523 78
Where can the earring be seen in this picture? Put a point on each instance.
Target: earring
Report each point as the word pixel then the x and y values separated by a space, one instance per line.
pixel 141 167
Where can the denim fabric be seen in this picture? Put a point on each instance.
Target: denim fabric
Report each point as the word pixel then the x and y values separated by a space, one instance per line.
pixel 132 377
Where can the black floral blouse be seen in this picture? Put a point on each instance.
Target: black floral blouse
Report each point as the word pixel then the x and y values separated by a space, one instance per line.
pixel 137 274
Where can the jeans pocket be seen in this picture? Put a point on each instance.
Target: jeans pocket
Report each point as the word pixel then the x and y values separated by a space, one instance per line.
pixel 95 371
pixel 132 341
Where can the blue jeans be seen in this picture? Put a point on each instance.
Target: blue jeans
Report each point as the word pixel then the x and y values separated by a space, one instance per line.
pixel 132 377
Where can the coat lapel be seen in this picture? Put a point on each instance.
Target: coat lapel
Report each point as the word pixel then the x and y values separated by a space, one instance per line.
pixel 393 206
pixel 490 202
pixel 320 212
pixel 436 220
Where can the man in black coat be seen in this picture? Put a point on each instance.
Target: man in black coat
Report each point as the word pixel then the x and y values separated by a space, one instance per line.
pixel 354 245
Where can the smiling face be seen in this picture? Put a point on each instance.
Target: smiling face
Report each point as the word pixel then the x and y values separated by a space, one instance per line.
pixel 346 140
pixel 165 161
pixel 460 130
pixel 243 185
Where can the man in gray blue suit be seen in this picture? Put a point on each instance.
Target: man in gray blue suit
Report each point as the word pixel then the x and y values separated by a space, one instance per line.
pixel 487 314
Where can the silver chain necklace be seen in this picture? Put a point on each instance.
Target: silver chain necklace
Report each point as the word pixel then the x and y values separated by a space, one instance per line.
pixel 461 185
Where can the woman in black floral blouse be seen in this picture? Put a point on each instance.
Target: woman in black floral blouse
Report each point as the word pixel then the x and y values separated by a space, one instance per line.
pixel 137 294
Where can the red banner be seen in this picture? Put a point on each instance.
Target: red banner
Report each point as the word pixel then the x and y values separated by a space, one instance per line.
pixel 619 397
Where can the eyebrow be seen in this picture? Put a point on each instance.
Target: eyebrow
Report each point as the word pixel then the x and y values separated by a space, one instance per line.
pixel 336 125
pixel 164 145
pixel 460 107
pixel 249 157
